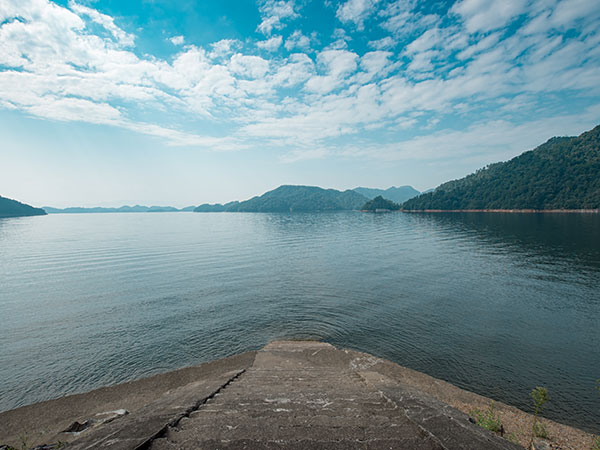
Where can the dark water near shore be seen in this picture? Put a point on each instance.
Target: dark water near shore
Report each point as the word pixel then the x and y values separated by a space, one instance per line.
pixel 494 303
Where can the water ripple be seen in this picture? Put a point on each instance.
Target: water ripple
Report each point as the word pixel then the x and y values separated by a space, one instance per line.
pixel 493 303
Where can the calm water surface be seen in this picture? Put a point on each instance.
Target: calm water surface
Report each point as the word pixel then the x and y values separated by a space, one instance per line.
pixel 494 303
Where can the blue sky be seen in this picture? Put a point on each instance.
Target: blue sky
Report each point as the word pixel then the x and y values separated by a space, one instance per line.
pixel 161 102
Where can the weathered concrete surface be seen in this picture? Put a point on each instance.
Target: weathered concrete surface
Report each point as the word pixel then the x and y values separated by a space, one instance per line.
pixel 309 395
pixel 42 423
pixel 290 395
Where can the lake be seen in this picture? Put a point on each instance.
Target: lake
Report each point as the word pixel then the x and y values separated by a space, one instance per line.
pixel 493 303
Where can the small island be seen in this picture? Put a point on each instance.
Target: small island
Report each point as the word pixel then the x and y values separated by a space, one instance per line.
pixel 380 204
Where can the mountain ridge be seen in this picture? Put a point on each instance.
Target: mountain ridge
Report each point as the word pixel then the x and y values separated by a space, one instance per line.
pixel 560 174
pixel 14 208
pixel 293 198
pixel 120 209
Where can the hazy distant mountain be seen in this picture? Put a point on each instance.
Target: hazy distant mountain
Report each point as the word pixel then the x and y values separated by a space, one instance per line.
pixel 13 208
pixel 396 194
pixel 563 173
pixel 216 207
pixel 122 209
pixel 380 204
pixel 294 199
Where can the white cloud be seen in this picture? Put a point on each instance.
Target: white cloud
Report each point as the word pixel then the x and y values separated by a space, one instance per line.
pixel 335 66
pixel 297 41
pixel 75 109
pixel 177 40
pixel 297 69
pixel 272 44
pixel 488 15
pixel 428 40
pixel 401 18
pixel 57 63
pixel 248 65
pixel 224 48
pixel 383 43
pixel 105 21
pixel 356 11
pixel 568 11
pixel 273 12
pixel 561 15
pixel 481 45
pixel 375 62
pixel 485 141
pixel 338 62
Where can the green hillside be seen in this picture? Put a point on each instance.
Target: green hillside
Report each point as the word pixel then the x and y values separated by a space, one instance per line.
pixel 13 208
pixel 380 203
pixel 563 173
pixel 293 199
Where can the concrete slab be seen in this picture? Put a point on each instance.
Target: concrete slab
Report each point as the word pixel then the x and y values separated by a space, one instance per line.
pixel 289 395
pixel 43 423
pixel 311 395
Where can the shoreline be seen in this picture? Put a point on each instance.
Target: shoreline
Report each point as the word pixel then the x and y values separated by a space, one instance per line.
pixel 510 211
pixel 45 422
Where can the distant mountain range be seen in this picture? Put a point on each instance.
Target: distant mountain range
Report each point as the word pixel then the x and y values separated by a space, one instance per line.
pixel 396 194
pixel 283 199
pixel 13 208
pixel 294 199
pixel 217 207
pixel 122 209
pixel 563 173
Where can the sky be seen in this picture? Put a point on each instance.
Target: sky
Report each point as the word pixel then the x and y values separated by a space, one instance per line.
pixel 161 102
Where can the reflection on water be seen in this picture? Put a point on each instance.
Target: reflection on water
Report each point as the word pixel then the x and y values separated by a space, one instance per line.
pixel 495 303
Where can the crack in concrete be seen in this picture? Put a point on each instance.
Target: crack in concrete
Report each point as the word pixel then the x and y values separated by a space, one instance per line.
pixel 175 422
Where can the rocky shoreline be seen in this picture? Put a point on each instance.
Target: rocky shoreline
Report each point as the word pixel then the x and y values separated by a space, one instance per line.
pixel 298 388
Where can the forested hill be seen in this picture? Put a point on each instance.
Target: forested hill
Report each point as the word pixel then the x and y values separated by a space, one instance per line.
pixel 293 199
pixel 13 208
pixel 563 173
pixel 380 204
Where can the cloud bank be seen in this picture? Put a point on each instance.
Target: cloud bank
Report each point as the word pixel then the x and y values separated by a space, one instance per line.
pixel 427 78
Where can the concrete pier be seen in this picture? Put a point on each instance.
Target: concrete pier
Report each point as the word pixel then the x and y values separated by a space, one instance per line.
pixel 290 395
